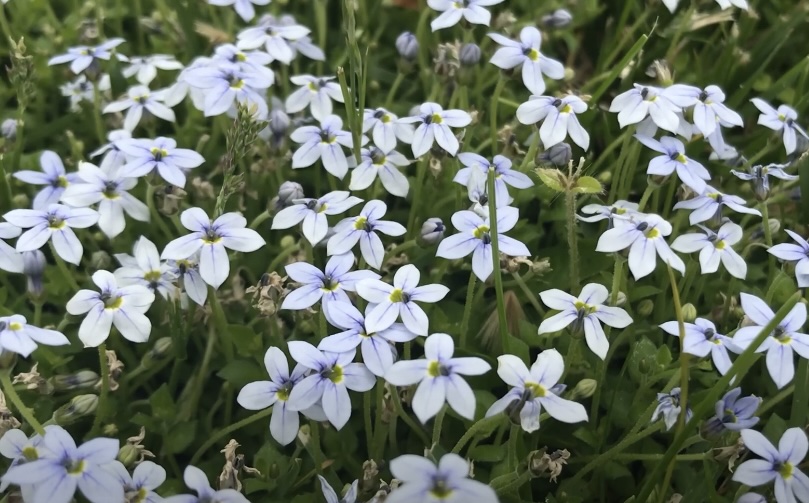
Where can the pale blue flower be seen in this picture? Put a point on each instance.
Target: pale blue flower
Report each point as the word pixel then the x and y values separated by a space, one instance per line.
pixel 425 482
pixel 709 107
pixel 779 464
pixel 212 238
pixel 196 480
pixel 227 84
pixel 81 57
pixel 333 374
pixel 702 339
pixel 363 229
pixel 733 413
pixel 536 389
pixel 780 343
pixel 690 172
pixel 113 157
pixel 17 336
pixel 17 447
pixel 435 127
pixel 399 299
pixel 784 119
pixel 760 175
pixel 438 375
pixel 10 259
pixel 669 408
pixel 252 62
pixel 708 206
pixel 55 223
pixel 324 143
pixel 614 212
pixel 504 174
pixel 161 154
pixel 386 128
pixel 526 53
pixel 331 495
pixel 797 253
pixel 63 467
pixel 384 164
pixel 187 273
pixel 316 93
pixel 275 36
pixel 453 10
pixel 313 213
pixel 139 487
pixel 144 69
pixel 145 269
pixel 328 285
pixel 714 247
pixel 138 100
pixel 244 8
pixel 634 105
pixel 558 116
pixel 52 176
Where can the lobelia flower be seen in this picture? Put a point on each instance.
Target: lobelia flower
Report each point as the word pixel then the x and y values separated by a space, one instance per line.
pixel 363 229
pixel 477 190
pixel 313 212
pixel 212 238
pixel 557 19
pixel 110 190
pixel 196 480
pixel 714 247
pixel 689 171
pixel 331 495
pixel 453 10
pixel 438 375
pixel 377 353
pixel 145 269
pixel 323 143
pixel 733 413
pixel 138 99
pixel 535 389
pixel 474 237
pixel 784 119
pixel 186 271
pixel 798 253
pixel 760 176
pixel 709 107
pixel 634 105
pixel 227 84
pixel 34 269
pixel 252 62
pixel 386 128
pixel 618 209
pixel 274 36
pixel 258 395
pixel 10 259
pixel 669 408
pixel 708 206
pixel 113 157
pixel 701 338
pixel 526 53
pixel 586 311
pixel 504 174
pixel 727 4
pixel 435 126
pixel 559 119
pixel 63 467
pixel 82 90
pixel 161 154
pixel 124 307
pixel 17 336
pixel 16 446
pixel 407 45
pixel 385 165
pixel 52 176
pixel 177 92
pixel 139 487
pixel 399 299
pixel 750 497
pixel 55 223
pixel 316 93
pixel 81 57
pixel 244 8
pixel 144 69
pixel 329 285
pixel 425 482
pixel 780 343
pixel 333 375
pixel 432 231
pixel 780 464
pixel 644 235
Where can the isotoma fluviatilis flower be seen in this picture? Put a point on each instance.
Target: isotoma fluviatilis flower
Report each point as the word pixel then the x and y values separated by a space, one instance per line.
pixel 784 119
pixel 453 10
pixel 733 412
pixel 53 177
pixel 708 206
pixel 54 223
pixel 714 247
pixel 139 99
pixel 701 339
pixel 316 93
pixel 80 58
pixel 689 171
pixel 196 480
pixel 634 105
pixel 17 336
pixel 526 53
pixel 324 143
pixel 161 154
pixel 505 174
pixel 435 127
pixel 385 165
pixel 363 229
pixel 670 408
pixel 558 116
pixel 778 464
pixel 330 285
pixel 427 482
pixel 312 214
pixel 331 495
pixel 798 253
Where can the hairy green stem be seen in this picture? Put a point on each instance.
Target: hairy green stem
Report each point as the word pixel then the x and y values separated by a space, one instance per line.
pixel 572 240
pixel 498 279
pixel 397 404
pixel 228 430
pixel 439 421
pixel 467 309
pixel 103 369
pixel 481 424
pixel 25 412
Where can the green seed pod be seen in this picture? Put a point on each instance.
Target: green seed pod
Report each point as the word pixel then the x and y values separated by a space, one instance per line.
pixel 79 407
pixel 646 307
pixel 584 389
pixel 689 313
pixel 79 380
pixel 161 349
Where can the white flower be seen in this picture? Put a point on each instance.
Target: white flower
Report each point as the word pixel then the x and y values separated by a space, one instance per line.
pixel 18 336
pixel 617 209
pixel 453 10
pixel 536 389
pixel 645 238
pixel 715 247
pixel 439 378
pixel 145 269
pixel 781 465
pixel 386 128
pixel 123 307
pixel 323 143
pixel 708 206
pixel 313 212
pixel 798 253
pixel 425 482
pixel 587 311
pixel 140 98
pixel 435 126
pixel 784 119
pixel 55 224
pixel 701 338
pixel 634 105
pixel 505 175
pixel 145 69
pixel 363 228
pixel 316 93
pixel 385 164
pixel 559 119
pixel 526 53
pixel 244 8
pixel 689 171
pixel 10 259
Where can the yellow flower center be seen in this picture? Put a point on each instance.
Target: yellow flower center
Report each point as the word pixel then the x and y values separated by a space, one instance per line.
pixel 322 208
pixel 312 86
pixel 30 454
pixel 237 84
pixel 587 308
pixel 533 54
pixel 14 326
pixel 536 389
pixel 713 195
pixel 782 117
pixel 75 467
pixel 359 223
pixel 481 231
pixel 114 303
pixel 619 211
pixel 397 295
pixel 566 109
pixel 385 119
pixel 435 369
pixel 652 233
pixel 336 375
pixel 440 490
pixel 720 245
pixel 152 276
pixel 785 470
pixel 681 159
pixel 61 182
pixel 436 119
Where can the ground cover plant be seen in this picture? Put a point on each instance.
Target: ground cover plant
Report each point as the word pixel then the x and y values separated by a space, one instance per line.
pixel 403 251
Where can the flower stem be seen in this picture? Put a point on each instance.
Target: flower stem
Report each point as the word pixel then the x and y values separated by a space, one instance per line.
pixel 439 421
pixel 421 170
pixel 467 310
pixel 765 217
pixel 800 402
pixel 226 431
pixel 393 88
pixel 397 403
pixel 366 417
pixel 25 412
pixel 617 278
pixel 155 215
pixel 495 101
pixel 645 197
pixel 572 239
pixel 476 429
pixel 498 279
pixel 678 312
pixel 512 483
pixel 513 440
pixel 63 269
pixel 103 369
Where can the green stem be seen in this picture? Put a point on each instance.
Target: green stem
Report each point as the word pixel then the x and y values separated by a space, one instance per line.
pixel 25 412
pixel 421 170
pixel 513 440
pixel 513 483
pixel 103 369
pixel 645 197
pixel 393 88
pixel 156 217
pixel 228 430
pixel 260 219
pixel 531 296
pixel 572 243
pixel 439 421
pixel 397 403
pixel 486 422
pixel 740 366
pixel 765 217
pixel 493 114
pixel 800 402
pixel 617 448
pixel 467 309
pixel 63 269
pixel 498 279
pixel 684 375
pixel 366 417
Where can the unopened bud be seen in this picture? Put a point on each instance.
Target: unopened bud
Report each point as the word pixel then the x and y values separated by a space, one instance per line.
pixel 557 19
pixel 160 350
pixel 100 261
pixel 7 358
pixel 20 200
pixel 279 120
pixel 584 389
pixel 621 299
pixel 79 380
pixel 689 313
pixel 646 307
pixel 469 55
pixel 34 267
pixel 128 455
pixel 78 407
pixel 407 45
pixel 9 129
pixel 432 231
pixel 287 241
pixel 775 225
pixel 559 155
pixel 288 192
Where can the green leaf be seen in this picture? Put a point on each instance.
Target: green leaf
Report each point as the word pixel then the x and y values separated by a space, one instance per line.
pixel 781 288
pixel 642 359
pixel 775 428
pixel 663 356
pixel 180 437
pixel 247 342
pixel 588 185
pixel 642 292
pixel 553 178
pixel 240 372
pixel 163 406
pixel 487 453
